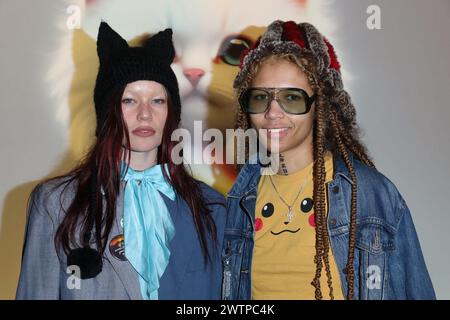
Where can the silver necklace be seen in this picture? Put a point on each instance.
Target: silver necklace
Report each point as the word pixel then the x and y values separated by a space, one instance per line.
pixel 298 194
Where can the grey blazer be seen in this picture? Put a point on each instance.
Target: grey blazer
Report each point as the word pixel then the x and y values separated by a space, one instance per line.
pixel 44 273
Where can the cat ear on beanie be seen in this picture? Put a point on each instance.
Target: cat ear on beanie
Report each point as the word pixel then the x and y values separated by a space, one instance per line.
pixel 161 46
pixel 109 42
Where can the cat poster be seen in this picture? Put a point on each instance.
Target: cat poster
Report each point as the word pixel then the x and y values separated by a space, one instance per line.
pixel 209 37
pixel 56 44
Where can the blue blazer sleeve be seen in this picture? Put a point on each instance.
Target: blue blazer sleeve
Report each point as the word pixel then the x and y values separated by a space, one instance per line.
pixel 40 272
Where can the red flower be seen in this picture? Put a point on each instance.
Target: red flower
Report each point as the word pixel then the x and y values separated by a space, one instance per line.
pixel 243 54
pixel 334 63
pixel 292 32
pixel 246 51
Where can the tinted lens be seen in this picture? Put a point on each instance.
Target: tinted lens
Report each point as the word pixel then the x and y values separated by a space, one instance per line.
pixel 293 101
pixel 255 100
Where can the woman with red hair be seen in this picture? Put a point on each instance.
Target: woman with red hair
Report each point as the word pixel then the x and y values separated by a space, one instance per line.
pixel 127 223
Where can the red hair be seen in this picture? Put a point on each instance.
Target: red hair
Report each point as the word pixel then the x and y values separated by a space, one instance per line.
pixel 98 177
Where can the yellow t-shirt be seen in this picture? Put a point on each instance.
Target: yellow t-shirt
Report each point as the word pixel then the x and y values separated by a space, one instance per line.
pixel 283 256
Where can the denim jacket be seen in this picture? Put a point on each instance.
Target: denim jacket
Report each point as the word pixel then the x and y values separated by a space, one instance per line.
pixel 388 259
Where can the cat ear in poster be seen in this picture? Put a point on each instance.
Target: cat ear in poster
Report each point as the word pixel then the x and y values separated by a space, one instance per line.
pixel 109 42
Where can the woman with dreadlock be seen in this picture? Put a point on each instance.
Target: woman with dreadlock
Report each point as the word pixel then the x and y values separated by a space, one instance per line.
pixel 327 224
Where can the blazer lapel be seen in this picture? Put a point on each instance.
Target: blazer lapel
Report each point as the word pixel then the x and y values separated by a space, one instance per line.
pixel 124 269
pixel 181 248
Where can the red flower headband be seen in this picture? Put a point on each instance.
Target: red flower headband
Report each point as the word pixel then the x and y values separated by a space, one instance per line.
pixel 291 32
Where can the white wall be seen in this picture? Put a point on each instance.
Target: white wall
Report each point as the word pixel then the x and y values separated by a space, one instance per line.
pixel 402 92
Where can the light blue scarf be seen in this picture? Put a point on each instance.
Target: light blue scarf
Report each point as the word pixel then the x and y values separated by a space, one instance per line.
pixel 148 227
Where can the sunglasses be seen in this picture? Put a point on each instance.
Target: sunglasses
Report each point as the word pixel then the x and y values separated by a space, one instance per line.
pixel 291 100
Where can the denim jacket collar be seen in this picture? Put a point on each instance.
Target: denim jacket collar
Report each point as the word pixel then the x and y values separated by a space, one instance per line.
pixel 248 177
